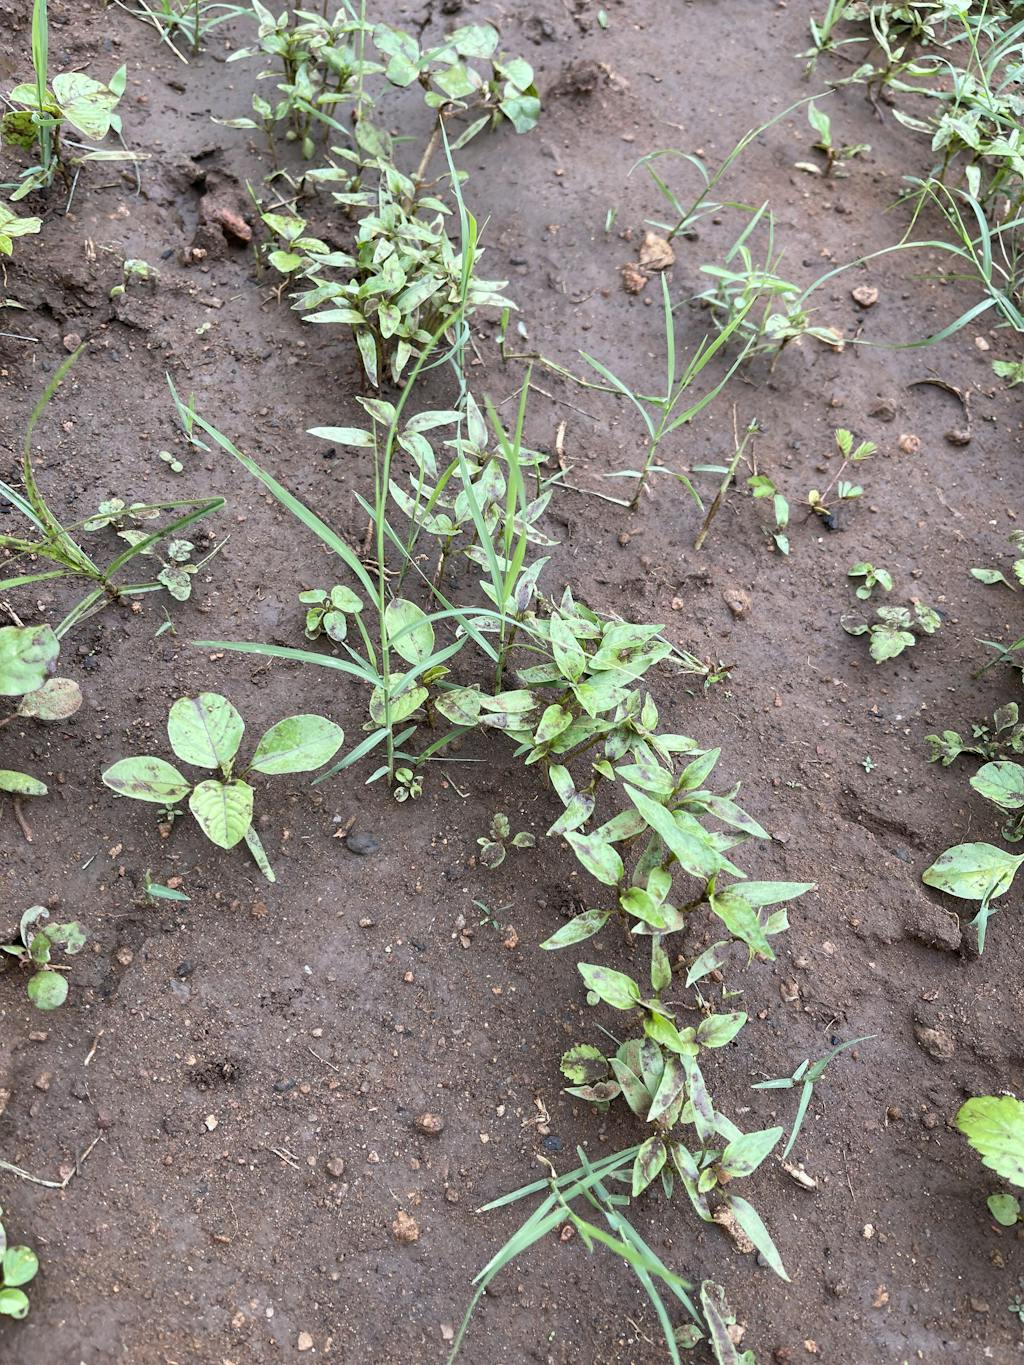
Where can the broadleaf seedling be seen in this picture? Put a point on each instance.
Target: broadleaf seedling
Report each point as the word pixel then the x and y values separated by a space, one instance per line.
pixel 47 986
pixel 206 732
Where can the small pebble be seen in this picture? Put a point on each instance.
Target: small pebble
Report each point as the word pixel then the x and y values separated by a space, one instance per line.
pixel 430 1124
pixel 362 843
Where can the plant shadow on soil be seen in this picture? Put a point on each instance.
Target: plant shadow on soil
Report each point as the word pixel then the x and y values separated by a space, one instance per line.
pixel 310 1034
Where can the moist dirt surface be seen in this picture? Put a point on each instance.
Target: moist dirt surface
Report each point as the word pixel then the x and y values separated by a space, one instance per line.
pixel 254 1063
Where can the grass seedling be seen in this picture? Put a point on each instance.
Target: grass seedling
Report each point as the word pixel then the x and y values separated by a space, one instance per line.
pixel 55 543
pixel 663 414
pixel 806 1076
pixel 559 1196
pixel 206 732
pixel 728 473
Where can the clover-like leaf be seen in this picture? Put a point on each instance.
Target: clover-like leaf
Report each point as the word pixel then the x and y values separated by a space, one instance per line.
pixel 223 810
pixel 205 730
pixel 297 744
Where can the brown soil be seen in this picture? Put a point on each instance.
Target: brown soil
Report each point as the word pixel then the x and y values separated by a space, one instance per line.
pixel 315 1019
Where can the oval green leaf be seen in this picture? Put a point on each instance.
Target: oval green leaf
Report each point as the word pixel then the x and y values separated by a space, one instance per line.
pixel 47 991
pixel 411 634
pixel 297 744
pixel 205 730
pixel 147 779
pixel 20 1265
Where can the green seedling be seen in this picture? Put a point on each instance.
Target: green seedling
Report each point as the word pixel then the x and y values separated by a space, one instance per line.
pixel 44 110
pixel 767 311
pixel 156 891
pixel 806 1076
pixel 823 504
pixel 55 544
pixel 1000 738
pixel 836 155
pixel 873 578
pixel 762 487
pixel 496 842
pixel 12 226
pixel 206 731
pixel 134 272
pixel 997 575
pixel 191 20
pixel 327 613
pixel 1002 783
pixel 47 986
pixel 994 1127
pixel 896 629
pixel 408 785
pixel 28 657
pixel 975 872
pixel 18 1267
pixel 1010 370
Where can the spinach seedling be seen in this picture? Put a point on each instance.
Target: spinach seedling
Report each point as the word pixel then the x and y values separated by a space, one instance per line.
pixel 206 732
pixel 994 1127
pixel 493 845
pixel 998 739
pixel 47 986
pixel 873 578
pixel 893 632
pixel 18 1266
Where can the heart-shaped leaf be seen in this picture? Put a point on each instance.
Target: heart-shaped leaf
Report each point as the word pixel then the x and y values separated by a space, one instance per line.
pixel 223 810
pixel 411 634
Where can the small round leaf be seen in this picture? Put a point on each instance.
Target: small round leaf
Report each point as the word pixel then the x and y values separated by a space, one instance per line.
pixel 57 699
pixel 47 991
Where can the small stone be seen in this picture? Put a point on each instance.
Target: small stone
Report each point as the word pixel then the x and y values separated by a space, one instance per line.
pixel 909 443
pixel 624 538
pixel 929 1119
pixel 884 410
pixel 336 1167
pixel 939 1043
pixel 880 1297
pixel 304 1342
pixel 431 1125
pixel 125 956
pixel 43 1081
pixel 633 278
pixel 104 1119
pixel 868 1231
pixel 737 601
pixel 982 344
pixel 184 969
pixel 655 252
pixel 232 224
pixel 404 1229
pixel 978 1305
pixel 363 844
pixel 866 295
pixel 72 341
pixel 211 1122
pixel 552 1144
pixel 958 436
pixel 366 922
